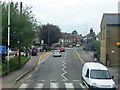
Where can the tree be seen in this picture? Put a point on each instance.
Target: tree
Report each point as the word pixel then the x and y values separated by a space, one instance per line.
pixel 21 25
pixel 75 32
pixel 50 34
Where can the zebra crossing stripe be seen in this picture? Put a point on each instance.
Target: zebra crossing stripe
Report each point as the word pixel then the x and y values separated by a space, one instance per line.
pixel 39 85
pixel 69 85
pixel 54 85
pixel 24 86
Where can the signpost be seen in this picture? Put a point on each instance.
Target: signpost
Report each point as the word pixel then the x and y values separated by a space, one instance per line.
pixel 2 49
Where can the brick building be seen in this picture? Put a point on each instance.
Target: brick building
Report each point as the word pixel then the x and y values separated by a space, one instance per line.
pixel 110 35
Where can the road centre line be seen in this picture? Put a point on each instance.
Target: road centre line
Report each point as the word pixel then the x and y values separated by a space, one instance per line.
pixel 80 57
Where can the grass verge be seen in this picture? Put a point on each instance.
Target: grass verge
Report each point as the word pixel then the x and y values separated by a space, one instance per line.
pixel 13 63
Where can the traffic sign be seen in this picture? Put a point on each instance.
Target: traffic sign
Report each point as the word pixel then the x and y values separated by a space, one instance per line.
pixel 2 49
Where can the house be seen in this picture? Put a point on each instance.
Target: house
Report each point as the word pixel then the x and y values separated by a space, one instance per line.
pixel 110 35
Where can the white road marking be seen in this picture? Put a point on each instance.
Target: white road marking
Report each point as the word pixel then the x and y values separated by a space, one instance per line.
pixel 39 85
pixel 54 85
pixel 24 86
pixel 82 86
pixel 75 80
pixel 63 69
pixel 69 86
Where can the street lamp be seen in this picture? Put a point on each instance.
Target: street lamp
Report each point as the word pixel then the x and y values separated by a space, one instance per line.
pixel 19 62
pixel 8 35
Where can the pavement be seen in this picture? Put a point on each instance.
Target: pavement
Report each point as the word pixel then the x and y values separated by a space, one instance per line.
pixel 87 56
pixel 9 80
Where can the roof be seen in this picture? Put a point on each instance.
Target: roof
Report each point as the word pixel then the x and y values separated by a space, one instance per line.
pixel 94 65
pixel 111 19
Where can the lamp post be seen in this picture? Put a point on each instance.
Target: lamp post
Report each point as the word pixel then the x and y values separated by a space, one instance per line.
pixel 19 62
pixel 8 35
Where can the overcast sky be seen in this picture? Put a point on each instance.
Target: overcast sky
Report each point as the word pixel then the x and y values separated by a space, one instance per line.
pixel 69 15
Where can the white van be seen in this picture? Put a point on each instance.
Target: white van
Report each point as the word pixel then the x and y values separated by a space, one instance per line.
pixel 96 75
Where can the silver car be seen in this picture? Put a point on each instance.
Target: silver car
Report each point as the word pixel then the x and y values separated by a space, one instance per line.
pixel 57 53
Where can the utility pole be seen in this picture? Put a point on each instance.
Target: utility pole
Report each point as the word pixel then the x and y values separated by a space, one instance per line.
pixel 8 35
pixel 86 38
pixel 19 42
pixel 48 37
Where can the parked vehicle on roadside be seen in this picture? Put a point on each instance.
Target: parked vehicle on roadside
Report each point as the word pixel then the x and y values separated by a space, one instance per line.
pixel 34 52
pixel 57 53
pixel 96 75
pixel 70 46
pixel 62 49
pixel 77 45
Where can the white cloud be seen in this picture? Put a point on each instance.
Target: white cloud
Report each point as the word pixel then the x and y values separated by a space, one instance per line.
pixel 71 14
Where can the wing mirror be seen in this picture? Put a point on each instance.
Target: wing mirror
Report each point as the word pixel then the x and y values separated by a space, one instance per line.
pixel 112 77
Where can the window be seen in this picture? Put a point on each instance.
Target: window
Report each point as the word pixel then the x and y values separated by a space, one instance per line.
pixel 100 74
pixel 87 74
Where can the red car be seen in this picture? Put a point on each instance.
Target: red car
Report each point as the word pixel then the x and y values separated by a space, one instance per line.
pixel 62 49
pixel 70 46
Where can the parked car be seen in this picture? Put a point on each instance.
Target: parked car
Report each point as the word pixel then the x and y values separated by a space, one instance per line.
pixel 62 49
pixel 77 45
pixel 57 53
pixel 34 52
pixel 11 52
pixel 70 46
pixel 96 75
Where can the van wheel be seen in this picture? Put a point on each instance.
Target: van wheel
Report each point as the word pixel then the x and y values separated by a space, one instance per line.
pixel 82 81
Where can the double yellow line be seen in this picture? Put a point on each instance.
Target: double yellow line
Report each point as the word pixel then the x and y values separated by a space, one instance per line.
pixel 79 57
pixel 44 57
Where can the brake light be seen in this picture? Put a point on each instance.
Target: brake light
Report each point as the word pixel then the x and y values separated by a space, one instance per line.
pixel 53 52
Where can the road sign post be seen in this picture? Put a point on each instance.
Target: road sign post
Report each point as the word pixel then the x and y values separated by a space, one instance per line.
pixel 2 49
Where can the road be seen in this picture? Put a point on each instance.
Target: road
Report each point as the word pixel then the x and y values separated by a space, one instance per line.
pixel 55 72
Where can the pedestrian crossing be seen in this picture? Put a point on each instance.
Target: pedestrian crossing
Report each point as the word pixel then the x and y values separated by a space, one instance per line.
pixel 53 85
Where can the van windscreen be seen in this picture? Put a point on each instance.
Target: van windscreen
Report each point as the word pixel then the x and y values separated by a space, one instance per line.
pixel 100 74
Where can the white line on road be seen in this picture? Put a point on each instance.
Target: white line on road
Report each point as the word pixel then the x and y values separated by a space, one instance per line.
pixel 28 76
pixel 54 85
pixel 23 86
pixel 76 80
pixel 64 66
pixel 39 85
pixel 69 86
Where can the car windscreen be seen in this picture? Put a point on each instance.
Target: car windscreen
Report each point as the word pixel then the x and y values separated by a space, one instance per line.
pixel 100 74
pixel 57 51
